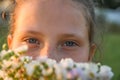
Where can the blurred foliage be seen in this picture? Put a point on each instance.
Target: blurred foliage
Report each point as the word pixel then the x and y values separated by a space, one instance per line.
pixel 3 35
pixel 103 25
pixel 113 28
pixel 112 4
pixel 111 53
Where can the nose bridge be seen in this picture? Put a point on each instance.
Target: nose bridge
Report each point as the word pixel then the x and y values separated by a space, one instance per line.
pixel 47 49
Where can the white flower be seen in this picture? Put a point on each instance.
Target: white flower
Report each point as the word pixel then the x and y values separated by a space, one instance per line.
pixel 8 78
pixel 2 74
pixel 6 64
pixel 49 62
pixel 58 71
pixel 4 53
pixel 65 63
pixel 105 72
pixel 41 78
pixel 30 67
pixel 47 72
pixel 93 67
pixel 83 66
pixel 26 58
pixel 21 49
pixel 88 70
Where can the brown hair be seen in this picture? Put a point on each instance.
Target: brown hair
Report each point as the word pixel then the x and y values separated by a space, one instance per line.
pixel 89 14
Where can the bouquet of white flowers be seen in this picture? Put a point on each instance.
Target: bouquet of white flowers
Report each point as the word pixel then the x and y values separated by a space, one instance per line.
pixel 13 66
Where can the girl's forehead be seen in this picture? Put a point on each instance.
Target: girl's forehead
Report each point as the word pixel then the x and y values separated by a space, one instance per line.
pixel 51 9
pixel 50 13
pixel 53 5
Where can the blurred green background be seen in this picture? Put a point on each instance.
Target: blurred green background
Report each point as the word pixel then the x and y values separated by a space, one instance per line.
pixel 108 33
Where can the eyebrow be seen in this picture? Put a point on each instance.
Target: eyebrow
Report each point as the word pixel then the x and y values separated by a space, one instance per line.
pixel 63 35
pixel 34 33
pixel 66 35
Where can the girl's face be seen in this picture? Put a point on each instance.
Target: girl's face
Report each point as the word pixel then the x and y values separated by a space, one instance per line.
pixel 52 28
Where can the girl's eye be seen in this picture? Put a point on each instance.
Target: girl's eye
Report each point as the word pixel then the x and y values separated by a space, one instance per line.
pixel 69 44
pixel 32 42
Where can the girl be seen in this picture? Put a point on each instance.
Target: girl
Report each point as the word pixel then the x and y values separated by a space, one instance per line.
pixel 54 28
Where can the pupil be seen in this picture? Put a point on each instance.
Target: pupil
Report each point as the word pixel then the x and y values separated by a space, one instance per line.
pixel 69 43
pixel 32 41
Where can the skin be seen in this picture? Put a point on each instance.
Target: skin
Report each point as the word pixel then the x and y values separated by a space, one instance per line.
pixel 52 28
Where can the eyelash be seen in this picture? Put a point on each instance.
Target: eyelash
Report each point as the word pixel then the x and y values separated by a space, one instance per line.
pixel 70 44
pixel 32 42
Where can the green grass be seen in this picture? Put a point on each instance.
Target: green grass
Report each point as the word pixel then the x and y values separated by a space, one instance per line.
pixel 111 53
pixel 3 35
pixel 111 50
